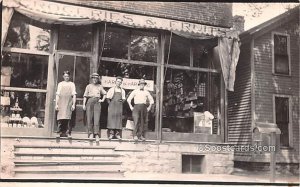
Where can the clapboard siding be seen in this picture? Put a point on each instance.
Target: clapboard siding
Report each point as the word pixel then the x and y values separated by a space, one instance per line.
pixel 239 101
pixel 267 84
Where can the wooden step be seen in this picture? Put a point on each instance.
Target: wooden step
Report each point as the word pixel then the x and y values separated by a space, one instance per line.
pixel 71 176
pixel 66 154
pixel 73 167
pixel 63 162
pixel 63 146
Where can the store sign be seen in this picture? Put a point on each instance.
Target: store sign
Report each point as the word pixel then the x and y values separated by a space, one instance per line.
pixel 64 13
pixel 129 84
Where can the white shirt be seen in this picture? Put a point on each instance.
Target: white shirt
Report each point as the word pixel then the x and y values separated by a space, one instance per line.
pixel 140 97
pixel 114 89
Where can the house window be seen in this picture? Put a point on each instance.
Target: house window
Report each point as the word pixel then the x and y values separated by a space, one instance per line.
pixel 192 163
pixel 282 119
pixel 281 54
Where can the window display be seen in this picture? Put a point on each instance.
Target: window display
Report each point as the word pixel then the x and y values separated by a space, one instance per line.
pixel 186 95
pixel 23 93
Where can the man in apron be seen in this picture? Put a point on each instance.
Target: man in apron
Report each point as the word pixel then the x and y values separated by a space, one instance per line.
pixel 65 104
pixel 116 97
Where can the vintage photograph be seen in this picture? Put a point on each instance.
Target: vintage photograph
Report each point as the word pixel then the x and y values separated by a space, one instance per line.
pixel 150 91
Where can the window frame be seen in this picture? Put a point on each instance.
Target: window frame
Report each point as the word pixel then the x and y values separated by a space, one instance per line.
pixel 288 53
pixel 290 125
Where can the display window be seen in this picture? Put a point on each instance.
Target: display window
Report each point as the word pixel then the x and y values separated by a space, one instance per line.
pixel 23 93
pixel 191 102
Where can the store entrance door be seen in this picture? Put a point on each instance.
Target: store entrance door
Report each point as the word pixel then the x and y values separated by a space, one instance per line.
pixel 79 68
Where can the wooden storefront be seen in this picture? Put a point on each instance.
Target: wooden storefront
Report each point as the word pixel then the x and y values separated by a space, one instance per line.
pixel 180 58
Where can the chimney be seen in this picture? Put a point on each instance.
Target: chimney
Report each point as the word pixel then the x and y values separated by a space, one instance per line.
pixel 238 23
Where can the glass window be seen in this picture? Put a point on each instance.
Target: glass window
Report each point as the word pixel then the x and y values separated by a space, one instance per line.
pixel 26 33
pixel 116 43
pixel 27 71
pixel 188 95
pixel 281 56
pixel 143 46
pixel 23 95
pixel 23 109
pixel 179 50
pixel 81 40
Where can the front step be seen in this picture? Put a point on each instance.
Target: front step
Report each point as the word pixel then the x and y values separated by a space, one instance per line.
pixel 74 160
pixel 63 162
pixel 67 174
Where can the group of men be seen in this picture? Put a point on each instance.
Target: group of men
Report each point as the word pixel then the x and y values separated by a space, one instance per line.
pixel 94 95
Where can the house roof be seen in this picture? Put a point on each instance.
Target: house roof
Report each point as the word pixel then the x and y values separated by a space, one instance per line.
pixel 282 18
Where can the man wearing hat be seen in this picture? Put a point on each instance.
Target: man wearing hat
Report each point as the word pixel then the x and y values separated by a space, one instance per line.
pixel 92 104
pixel 140 109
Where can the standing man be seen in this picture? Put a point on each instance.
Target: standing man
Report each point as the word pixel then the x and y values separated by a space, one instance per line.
pixel 65 103
pixel 140 109
pixel 115 97
pixel 92 104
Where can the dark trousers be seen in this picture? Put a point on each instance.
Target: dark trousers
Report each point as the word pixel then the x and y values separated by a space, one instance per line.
pixel 93 112
pixel 140 119
pixel 64 127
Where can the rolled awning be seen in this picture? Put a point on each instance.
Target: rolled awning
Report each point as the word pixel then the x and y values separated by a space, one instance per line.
pixel 60 13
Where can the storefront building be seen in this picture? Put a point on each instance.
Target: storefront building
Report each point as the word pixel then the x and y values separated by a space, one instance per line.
pixel 188 61
pixel 185 51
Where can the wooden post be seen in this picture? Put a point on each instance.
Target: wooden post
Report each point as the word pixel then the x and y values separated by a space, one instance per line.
pixel 273 158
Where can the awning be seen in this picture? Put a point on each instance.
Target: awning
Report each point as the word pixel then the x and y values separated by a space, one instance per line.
pixel 60 13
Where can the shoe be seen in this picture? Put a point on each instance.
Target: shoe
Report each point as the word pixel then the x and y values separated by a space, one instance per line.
pixel 142 138
pixel 110 136
pixel 91 136
pixel 97 138
pixel 135 138
pixel 69 136
pixel 118 137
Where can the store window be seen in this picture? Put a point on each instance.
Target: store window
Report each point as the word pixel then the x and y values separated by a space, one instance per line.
pixel 202 53
pixel 191 102
pixel 281 54
pixel 81 40
pixel 179 51
pixel 116 42
pixel 23 93
pixel 26 33
pixel 143 46
pixel 123 43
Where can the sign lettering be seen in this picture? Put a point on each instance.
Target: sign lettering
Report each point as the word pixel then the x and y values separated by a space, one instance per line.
pixel 59 10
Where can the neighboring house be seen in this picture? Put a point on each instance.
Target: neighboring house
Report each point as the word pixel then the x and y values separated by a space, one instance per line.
pixel 267 90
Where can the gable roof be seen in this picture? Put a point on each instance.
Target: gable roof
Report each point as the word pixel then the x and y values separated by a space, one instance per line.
pixel 264 27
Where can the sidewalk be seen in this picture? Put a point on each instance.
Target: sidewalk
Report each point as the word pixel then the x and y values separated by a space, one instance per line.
pixel 242 178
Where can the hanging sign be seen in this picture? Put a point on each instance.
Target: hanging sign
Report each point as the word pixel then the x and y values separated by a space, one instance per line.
pixel 127 83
